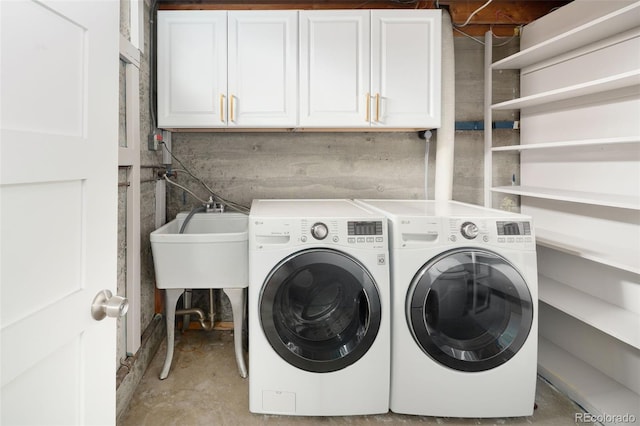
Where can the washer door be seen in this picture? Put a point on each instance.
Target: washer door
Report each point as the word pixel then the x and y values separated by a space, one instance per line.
pixel 320 310
pixel 469 309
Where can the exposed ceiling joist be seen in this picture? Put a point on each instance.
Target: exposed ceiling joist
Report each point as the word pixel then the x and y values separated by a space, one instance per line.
pixel 502 17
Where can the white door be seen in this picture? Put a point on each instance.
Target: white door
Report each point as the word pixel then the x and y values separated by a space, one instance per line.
pixel 58 183
pixel 406 68
pixel 192 68
pixel 262 67
pixel 334 68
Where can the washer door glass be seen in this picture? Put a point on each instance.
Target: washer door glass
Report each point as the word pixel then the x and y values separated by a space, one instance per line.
pixel 320 310
pixel 469 309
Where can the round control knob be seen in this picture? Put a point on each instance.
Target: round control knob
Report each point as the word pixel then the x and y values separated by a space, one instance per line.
pixel 319 231
pixel 469 230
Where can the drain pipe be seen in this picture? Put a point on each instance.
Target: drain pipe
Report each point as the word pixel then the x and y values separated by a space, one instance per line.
pixel 206 324
pixel 446 132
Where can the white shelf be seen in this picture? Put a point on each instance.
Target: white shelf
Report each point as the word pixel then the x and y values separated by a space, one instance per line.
pixel 618 81
pixel 569 144
pixel 611 319
pixel 608 200
pixel 593 31
pixel 595 251
pixel 595 391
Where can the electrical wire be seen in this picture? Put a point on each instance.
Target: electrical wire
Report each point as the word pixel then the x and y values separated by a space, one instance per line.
pixel 228 203
pixel 473 14
pixel 184 189
pixel 457 27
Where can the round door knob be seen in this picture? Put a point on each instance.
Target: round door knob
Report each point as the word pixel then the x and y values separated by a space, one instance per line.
pixel 319 231
pixel 469 230
pixel 106 304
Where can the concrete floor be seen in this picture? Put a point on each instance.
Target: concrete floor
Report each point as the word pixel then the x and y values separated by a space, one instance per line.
pixel 204 388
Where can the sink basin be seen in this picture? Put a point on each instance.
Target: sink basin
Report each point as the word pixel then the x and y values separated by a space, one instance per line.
pixel 211 253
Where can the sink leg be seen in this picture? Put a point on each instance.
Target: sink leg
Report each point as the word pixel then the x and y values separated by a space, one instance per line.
pixel 237 298
pixel 171 299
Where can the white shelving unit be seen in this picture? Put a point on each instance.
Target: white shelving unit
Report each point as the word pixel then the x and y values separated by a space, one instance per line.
pixel 570 144
pixel 624 80
pixel 593 250
pixel 606 317
pixel 594 198
pixel 580 181
pixel 581 382
pixel 593 31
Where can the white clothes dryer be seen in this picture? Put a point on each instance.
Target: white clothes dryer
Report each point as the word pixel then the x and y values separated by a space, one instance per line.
pixel 464 309
pixel 319 311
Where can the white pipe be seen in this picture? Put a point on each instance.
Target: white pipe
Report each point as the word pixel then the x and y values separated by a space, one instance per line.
pixel 446 132
pixel 488 118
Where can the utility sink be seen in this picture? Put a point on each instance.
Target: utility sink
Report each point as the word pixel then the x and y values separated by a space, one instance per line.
pixel 211 253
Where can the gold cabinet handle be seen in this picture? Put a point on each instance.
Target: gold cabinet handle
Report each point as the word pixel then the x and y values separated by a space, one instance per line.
pixel 231 99
pixel 222 108
pixel 368 107
pixel 377 107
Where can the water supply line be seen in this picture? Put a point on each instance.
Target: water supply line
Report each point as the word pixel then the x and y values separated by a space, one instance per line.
pixel 446 132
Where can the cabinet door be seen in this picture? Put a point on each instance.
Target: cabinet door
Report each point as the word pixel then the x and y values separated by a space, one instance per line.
pixel 405 71
pixel 334 68
pixel 192 68
pixel 263 58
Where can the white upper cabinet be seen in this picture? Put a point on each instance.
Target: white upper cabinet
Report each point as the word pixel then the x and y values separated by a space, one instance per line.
pixel 263 61
pixel 202 84
pixel 371 69
pixel 192 68
pixel 405 68
pixel 335 68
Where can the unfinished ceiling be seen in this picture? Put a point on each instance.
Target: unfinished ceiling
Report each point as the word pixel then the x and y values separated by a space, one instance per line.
pixel 501 16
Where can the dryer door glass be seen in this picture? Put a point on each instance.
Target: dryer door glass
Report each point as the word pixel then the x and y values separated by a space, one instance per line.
pixel 320 310
pixel 469 309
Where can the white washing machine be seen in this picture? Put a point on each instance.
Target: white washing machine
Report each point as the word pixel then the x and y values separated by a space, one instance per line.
pixel 464 309
pixel 319 312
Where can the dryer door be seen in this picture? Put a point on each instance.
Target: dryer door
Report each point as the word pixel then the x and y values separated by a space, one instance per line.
pixel 469 309
pixel 320 310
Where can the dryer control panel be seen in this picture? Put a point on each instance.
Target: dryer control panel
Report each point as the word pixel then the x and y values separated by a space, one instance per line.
pixel 513 233
pixel 354 233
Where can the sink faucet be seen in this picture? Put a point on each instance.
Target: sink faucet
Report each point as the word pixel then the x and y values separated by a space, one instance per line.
pixel 212 206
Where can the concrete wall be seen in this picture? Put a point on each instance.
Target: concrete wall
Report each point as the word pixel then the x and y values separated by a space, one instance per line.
pixel 246 166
